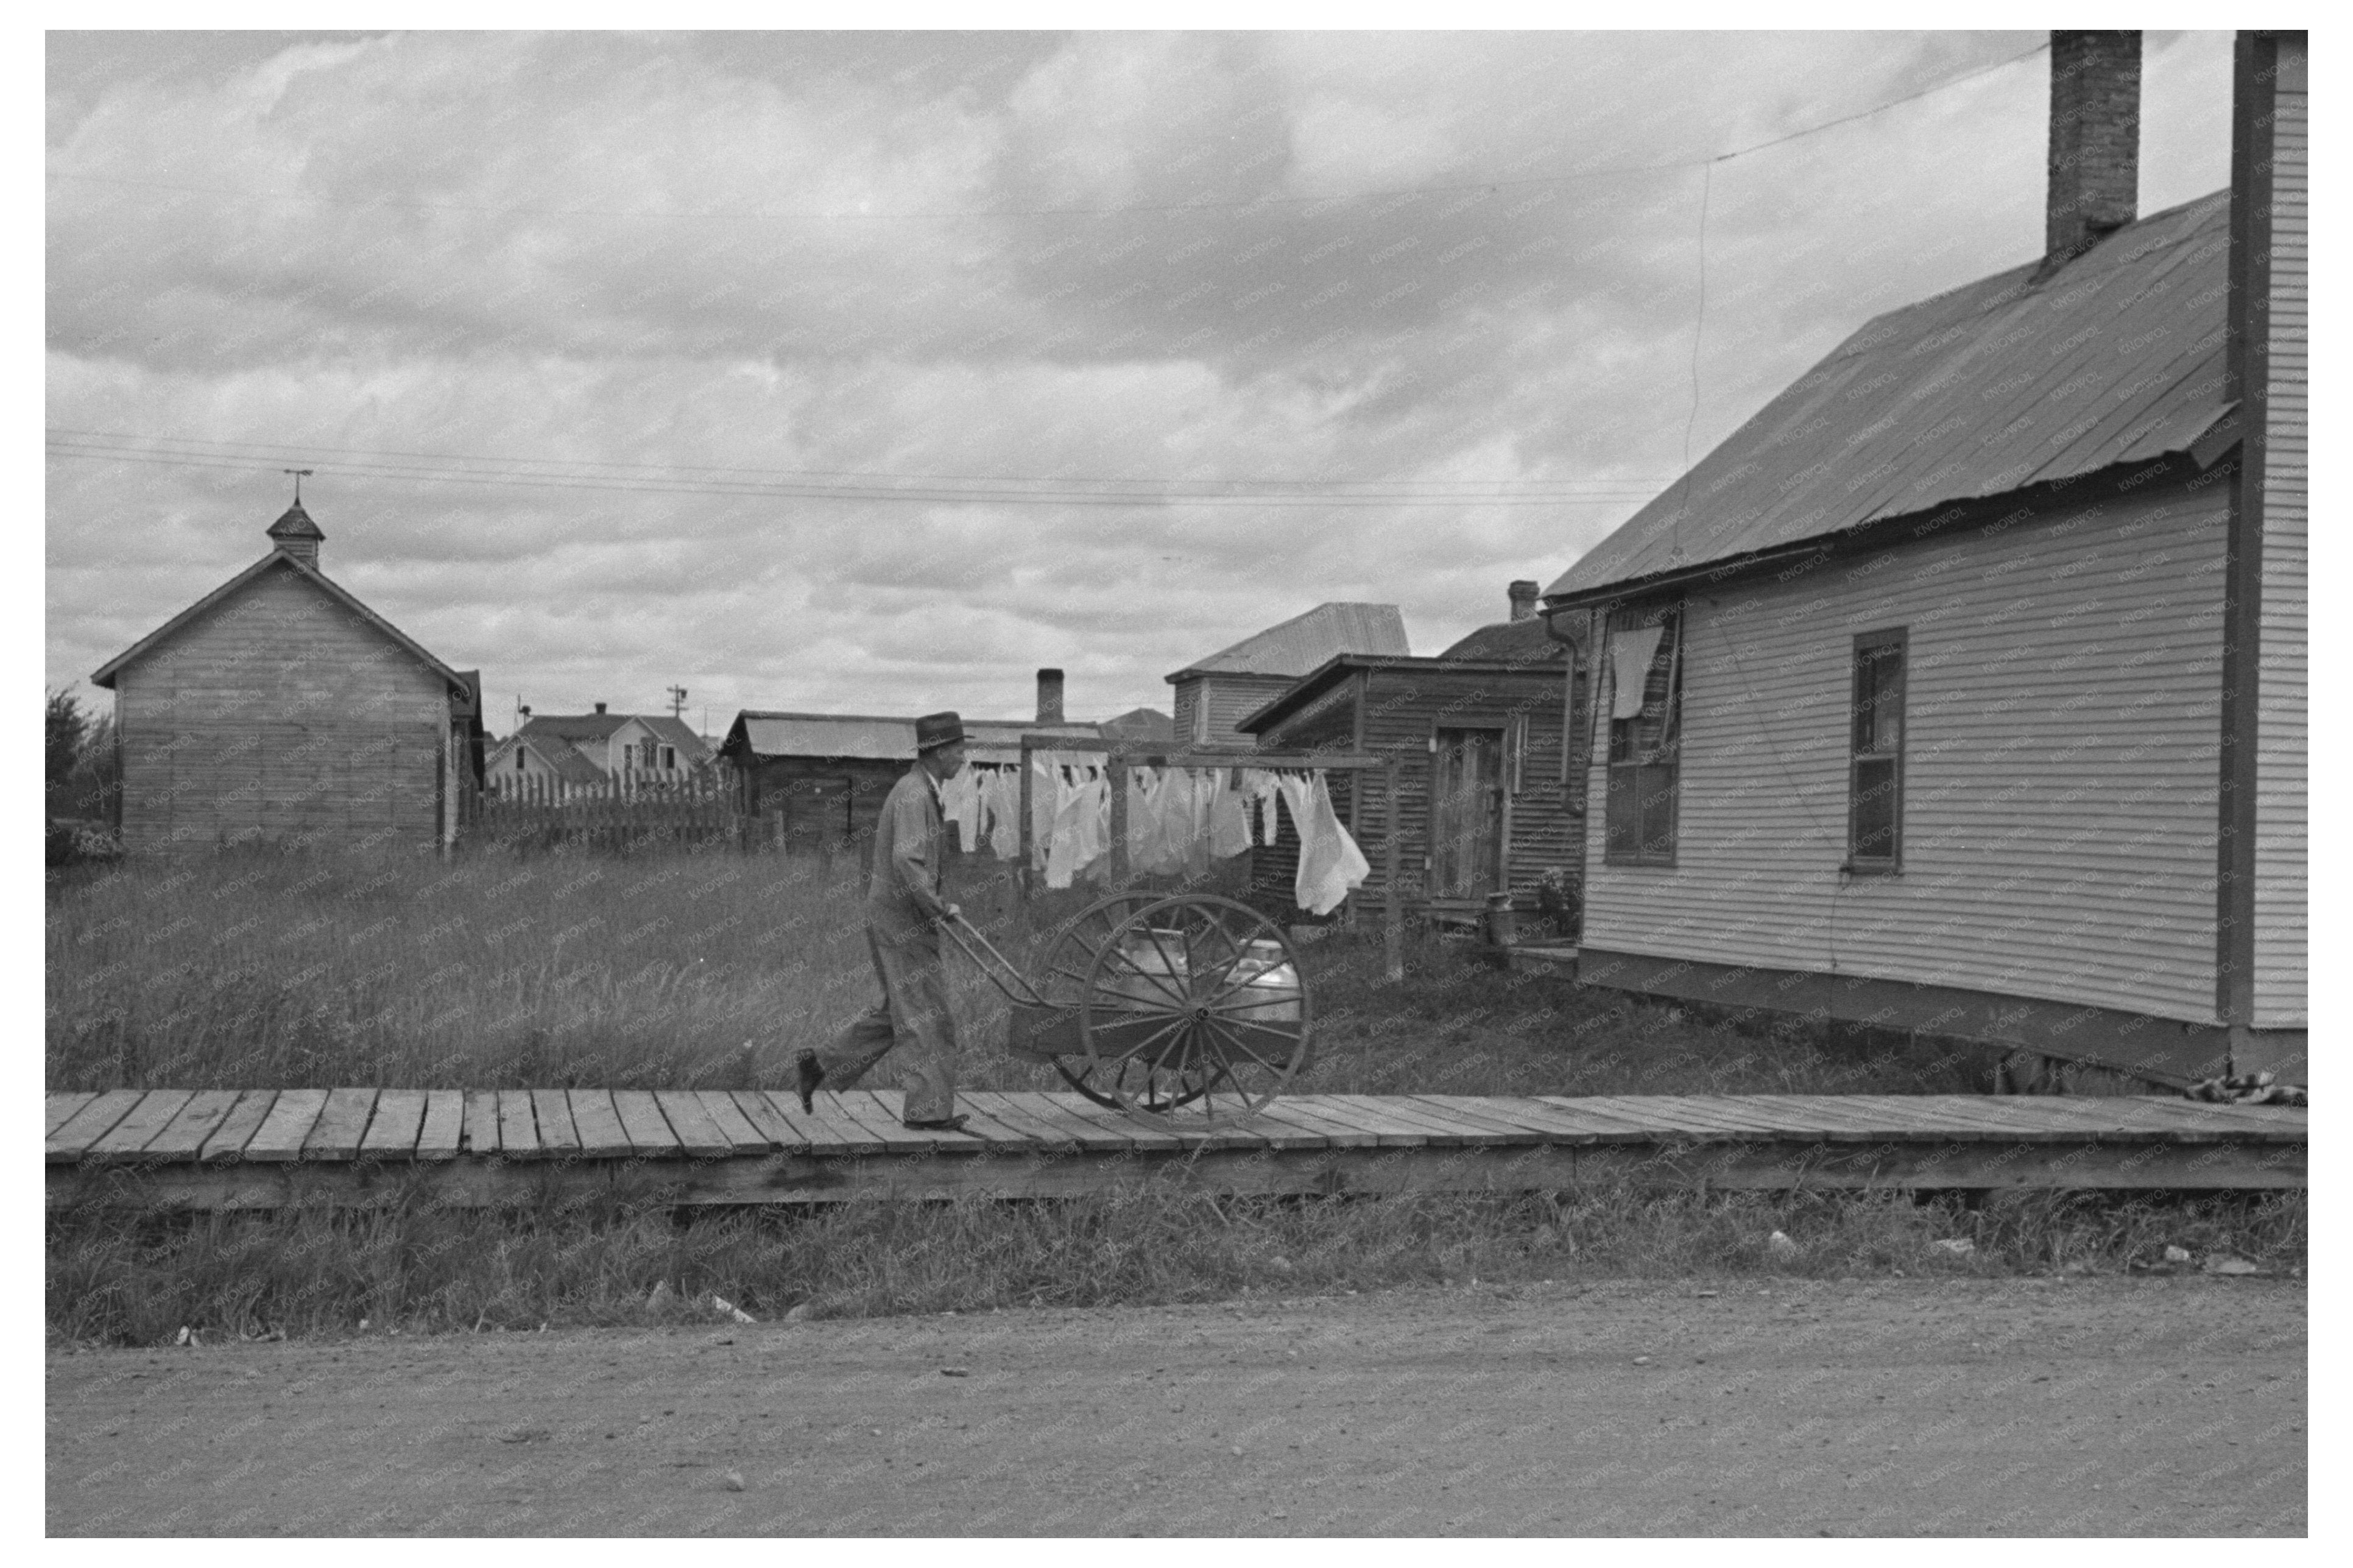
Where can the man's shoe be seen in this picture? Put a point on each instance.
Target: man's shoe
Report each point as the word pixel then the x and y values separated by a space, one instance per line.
pixel 950 1124
pixel 810 1075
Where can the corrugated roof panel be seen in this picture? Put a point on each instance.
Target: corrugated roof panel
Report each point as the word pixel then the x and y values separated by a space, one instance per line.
pixel 1303 642
pixel 1999 385
pixel 879 740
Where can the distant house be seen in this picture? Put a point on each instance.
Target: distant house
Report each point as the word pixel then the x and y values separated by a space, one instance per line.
pixel 1478 732
pixel 1215 693
pixel 1140 726
pixel 278 708
pixel 815 782
pixel 642 747
pixel 1936 696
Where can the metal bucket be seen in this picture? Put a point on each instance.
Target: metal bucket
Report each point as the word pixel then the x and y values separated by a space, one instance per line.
pixel 1271 994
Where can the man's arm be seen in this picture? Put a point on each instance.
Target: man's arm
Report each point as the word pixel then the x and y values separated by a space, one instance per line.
pixel 913 844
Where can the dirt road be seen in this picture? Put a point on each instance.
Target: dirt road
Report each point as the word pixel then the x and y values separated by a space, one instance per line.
pixel 2157 1406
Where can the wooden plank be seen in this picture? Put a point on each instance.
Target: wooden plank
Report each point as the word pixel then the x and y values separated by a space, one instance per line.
pixel 184 1138
pixel 1331 1108
pixel 877 1111
pixel 94 1121
pixel 342 1124
pixel 551 1112
pixel 1090 1122
pixel 153 1112
pixel 1335 1134
pixel 2000 1126
pixel 1846 1120
pixel 1377 1111
pixel 1930 1119
pixel 392 1131
pixel 1601 1126
pixel 833 1130
pixel 1003 1131
pixel 518 1124
pixel 62 1108
pixel 281 1134
pixel 437 1138
pixel 597 1124
pixel 698 1134
pixel 1473 1117
pixel 480 1134
pixel 237 1129
pixel 1678 1115
pixel 774 1122
pixel 743 1138
pixel 1557 1125
pixel 1668 1119
pixel 648 1130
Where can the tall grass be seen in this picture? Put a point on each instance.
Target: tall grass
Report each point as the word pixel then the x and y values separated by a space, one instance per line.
pixel 267 971
pixel 137 1280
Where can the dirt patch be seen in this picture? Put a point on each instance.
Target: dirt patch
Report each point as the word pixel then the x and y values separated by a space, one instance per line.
pixel 2013 1407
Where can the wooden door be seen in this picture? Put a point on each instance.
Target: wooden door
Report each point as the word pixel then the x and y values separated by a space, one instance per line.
pixel 1466 812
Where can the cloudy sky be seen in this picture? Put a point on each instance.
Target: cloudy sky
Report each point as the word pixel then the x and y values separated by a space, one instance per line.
pixel 871 372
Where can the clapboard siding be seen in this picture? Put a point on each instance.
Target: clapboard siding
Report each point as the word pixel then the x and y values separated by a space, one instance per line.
pixel 2280 731
pixel 2062 749
pixel 281 716
pixel 1394 711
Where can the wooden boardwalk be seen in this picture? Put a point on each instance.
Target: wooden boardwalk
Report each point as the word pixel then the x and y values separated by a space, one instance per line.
pixel 271 1148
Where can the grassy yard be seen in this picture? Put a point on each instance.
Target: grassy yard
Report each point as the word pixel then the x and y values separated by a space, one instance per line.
pixel 262 971
pixel 267 971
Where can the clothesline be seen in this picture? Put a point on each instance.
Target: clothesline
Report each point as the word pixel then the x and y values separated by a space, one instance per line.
pixel 1179 819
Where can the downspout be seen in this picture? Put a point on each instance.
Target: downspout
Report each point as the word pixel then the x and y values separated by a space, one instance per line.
pixel 1573 629
pixel 2247 382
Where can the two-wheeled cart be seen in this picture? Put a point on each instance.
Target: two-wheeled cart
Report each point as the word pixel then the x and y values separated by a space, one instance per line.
pixel 1156 1004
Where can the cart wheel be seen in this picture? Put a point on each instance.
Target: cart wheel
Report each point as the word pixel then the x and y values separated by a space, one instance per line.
pixel 1194 1002
pixel 1062 979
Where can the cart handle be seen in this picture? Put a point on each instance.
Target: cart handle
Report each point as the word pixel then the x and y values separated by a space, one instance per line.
pixel 1002 972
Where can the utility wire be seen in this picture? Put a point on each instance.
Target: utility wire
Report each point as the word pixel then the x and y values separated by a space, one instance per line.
pixel 1257 203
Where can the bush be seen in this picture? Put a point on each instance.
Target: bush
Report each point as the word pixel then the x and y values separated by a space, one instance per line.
pixel 73 843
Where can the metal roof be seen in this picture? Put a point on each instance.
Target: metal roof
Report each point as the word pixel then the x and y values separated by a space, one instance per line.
pixel 1300 644
pixel 1511 642
pixel 875 738
pixel 2007 382
pixel 1323 677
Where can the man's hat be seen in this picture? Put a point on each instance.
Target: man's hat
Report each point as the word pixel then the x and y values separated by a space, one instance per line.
pixel 933 731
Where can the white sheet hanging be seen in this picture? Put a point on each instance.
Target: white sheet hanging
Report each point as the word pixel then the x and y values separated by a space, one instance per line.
pixel 1630 668
pixel 1081 830
pixel 1330 864
pixel 1230 825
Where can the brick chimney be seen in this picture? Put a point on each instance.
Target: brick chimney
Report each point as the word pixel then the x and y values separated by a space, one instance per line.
pixel 296 535
pixel 600 708
pixel 1050 697
pixel 2095 161
pixel 1523 600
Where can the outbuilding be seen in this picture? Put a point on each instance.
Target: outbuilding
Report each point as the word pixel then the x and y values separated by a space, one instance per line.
pixel 278 708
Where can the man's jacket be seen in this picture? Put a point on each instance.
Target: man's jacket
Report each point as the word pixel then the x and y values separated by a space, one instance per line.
pixel 903 895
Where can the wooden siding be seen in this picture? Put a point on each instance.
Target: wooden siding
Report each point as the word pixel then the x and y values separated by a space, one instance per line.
pixel 2280 724
pixel 1231 698
pixel 282 717
pixel 1397 711
pixel 2062 748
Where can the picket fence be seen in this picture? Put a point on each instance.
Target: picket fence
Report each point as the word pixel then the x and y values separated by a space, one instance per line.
pixel 626 812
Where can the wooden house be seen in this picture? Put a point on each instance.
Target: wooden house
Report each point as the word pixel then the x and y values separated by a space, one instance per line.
pixel 1961 689
pixel 815 782
pixel 597 748
pixel 1478 733
pixel 279 709
pixel 1216 693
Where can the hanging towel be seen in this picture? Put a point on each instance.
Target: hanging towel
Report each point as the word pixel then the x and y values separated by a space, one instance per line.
pixel 1045 800
pixel 1144 787
pixel 1005 814
pixel 960 803
pixel 1330 864
pixel 1630 668
pixel 1082 829
pixel 1230 825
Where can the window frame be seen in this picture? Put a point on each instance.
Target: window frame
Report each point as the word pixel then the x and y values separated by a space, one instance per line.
pixel 1668 757
pixel 1890 864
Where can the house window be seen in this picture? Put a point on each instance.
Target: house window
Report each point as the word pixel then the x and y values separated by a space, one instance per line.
pixel 1644 646
pixel 520 764
pixel 670 759
pixel 1875 773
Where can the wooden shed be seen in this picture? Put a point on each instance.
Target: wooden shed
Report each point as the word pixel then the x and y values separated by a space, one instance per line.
pixel 279 709
pixel 1936 696
pixel 1478 732
pixel 1214 695
pixel 814 782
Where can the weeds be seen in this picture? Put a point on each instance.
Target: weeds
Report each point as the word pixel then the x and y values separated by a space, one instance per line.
pixel 126 1278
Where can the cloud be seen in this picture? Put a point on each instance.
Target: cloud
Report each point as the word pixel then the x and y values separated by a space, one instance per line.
pixel 665 268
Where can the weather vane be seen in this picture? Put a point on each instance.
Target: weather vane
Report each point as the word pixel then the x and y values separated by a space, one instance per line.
pixel 300 475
